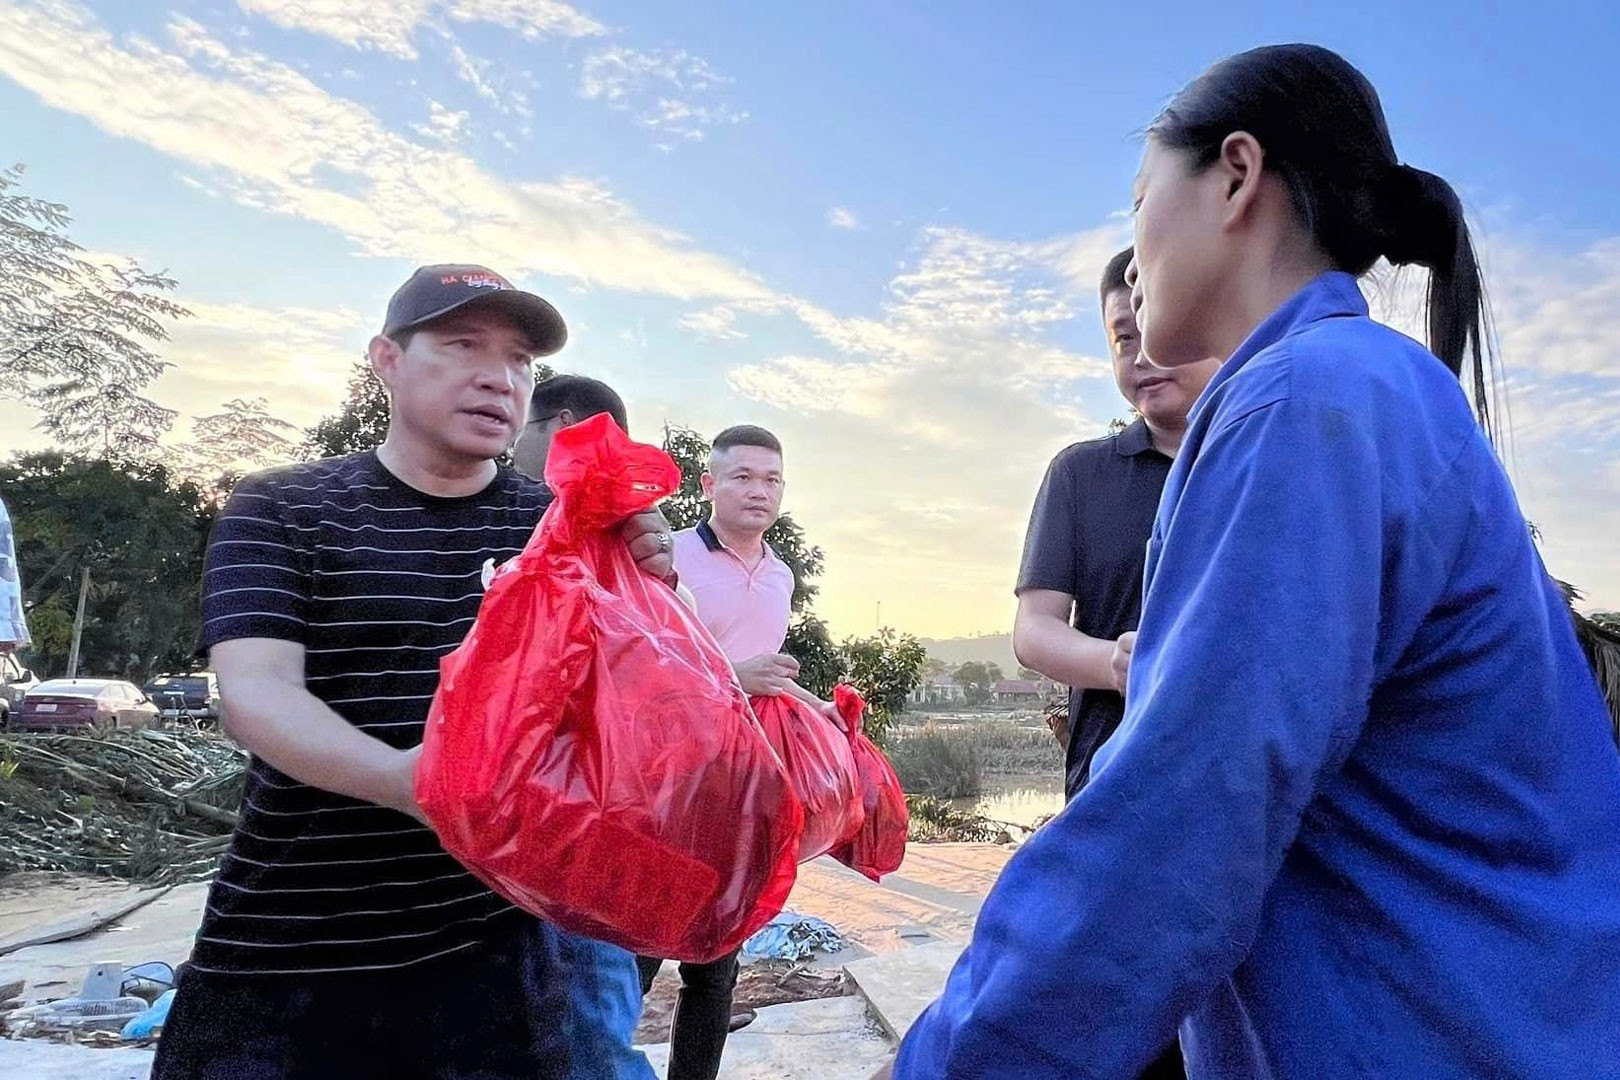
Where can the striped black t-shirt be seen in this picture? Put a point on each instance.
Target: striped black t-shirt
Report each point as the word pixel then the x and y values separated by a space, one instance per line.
pixel 377 581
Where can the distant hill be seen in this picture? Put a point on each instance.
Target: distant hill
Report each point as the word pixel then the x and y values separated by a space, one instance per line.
pixel 995 648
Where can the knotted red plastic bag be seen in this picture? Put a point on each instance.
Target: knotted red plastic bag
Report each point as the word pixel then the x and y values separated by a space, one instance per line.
pixel 819 764
pixel 589 753
pixel 879 845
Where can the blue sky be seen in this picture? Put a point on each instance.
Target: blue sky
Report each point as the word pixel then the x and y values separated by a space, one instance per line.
pixel 875 228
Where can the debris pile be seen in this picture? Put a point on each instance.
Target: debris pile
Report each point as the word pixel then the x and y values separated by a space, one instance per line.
pixel 148 806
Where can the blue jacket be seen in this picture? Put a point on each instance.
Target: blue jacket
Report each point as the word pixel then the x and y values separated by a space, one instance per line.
pixel 1362 817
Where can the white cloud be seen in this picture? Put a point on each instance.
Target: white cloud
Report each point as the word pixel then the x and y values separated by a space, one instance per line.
pixel 1559 314
pixel 197 185
pixel 391 27
pixel 298 358
pixel 716 322
pixel 490 83
pixel 666 90
pixel 475 72
pixel 840 217
pixel 928 427
pixel 443 124
pixel 932 424
pixel 278 142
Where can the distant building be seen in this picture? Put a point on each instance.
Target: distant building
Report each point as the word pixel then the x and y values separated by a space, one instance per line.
pixel 1024 691
pixel 939 690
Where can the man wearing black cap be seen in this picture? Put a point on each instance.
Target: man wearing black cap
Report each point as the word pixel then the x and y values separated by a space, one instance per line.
pixel 339 939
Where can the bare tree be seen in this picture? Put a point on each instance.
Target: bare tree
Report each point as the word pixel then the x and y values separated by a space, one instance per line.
pixel 76 338
pixel 227 445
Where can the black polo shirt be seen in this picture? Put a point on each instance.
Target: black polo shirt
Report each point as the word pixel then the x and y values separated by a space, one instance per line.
pixel 1088 536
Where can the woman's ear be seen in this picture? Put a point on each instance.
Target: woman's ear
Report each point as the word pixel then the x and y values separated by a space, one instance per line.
pixel 1241 167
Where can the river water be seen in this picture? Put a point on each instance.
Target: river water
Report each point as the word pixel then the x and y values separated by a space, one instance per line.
pixel 1021 799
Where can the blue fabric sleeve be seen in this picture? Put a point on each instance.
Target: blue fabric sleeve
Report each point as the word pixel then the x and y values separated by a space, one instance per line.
pixel 1250 682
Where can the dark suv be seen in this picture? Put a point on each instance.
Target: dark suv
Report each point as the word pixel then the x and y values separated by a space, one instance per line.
pixel 196 695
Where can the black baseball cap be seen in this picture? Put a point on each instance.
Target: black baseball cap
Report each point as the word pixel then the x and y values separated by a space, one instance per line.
pixel 435 291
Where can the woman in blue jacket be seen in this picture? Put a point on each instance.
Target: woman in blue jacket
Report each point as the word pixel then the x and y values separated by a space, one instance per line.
pixel 1362 818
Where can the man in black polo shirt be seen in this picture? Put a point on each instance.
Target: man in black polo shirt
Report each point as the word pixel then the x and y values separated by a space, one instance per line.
pixel 1080 584
pixel 339 939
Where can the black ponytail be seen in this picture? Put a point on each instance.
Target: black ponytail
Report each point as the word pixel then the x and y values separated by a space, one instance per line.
pixel 1322 128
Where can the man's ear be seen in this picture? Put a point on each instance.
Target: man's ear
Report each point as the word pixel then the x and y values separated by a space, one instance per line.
pixel 706 482
pixel 384 354
pixel 565 418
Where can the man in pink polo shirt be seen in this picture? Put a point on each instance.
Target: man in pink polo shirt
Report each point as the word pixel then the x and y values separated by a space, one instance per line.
pixel 744 590
pixel 744 595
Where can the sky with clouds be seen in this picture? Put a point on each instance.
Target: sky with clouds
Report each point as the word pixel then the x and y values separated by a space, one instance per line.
pixel 874 228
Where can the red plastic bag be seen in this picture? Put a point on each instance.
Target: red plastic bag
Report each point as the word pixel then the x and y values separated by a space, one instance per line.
pixel 819 764
pixel 879 846
pixel 589 753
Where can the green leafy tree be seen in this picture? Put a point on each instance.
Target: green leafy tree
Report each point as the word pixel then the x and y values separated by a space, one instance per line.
pixel 686 508
pixel 885 667
pixel 77 338
pixel 140 533
pixel 977 679
pixel 821 663
pixel 360 422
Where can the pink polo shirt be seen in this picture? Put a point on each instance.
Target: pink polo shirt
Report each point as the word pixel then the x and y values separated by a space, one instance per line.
pixel 747 612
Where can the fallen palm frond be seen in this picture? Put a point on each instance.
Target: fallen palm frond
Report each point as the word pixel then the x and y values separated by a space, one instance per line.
pixel 140 805
pixel 1600 640
pixel 1601 643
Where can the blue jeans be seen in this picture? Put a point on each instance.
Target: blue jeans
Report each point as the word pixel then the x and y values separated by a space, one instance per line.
pixel 531 1003
pixel 606 1007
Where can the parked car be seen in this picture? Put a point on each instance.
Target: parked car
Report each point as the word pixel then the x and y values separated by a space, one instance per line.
pixel 15 681
pixel 63 704
pixel 195 694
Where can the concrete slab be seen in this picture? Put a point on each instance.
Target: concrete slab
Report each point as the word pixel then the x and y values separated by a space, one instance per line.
pixel 37 1059
pixel 899 986
pixel 830 1039
pixel 163 930
pixel 31 901
pixel 934 896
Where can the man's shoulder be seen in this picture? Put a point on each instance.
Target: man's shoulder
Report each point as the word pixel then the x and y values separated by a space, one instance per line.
pixel 698 538
pixel 1088 453
pixel 324 474
pixel 521 490
pixel 688 545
